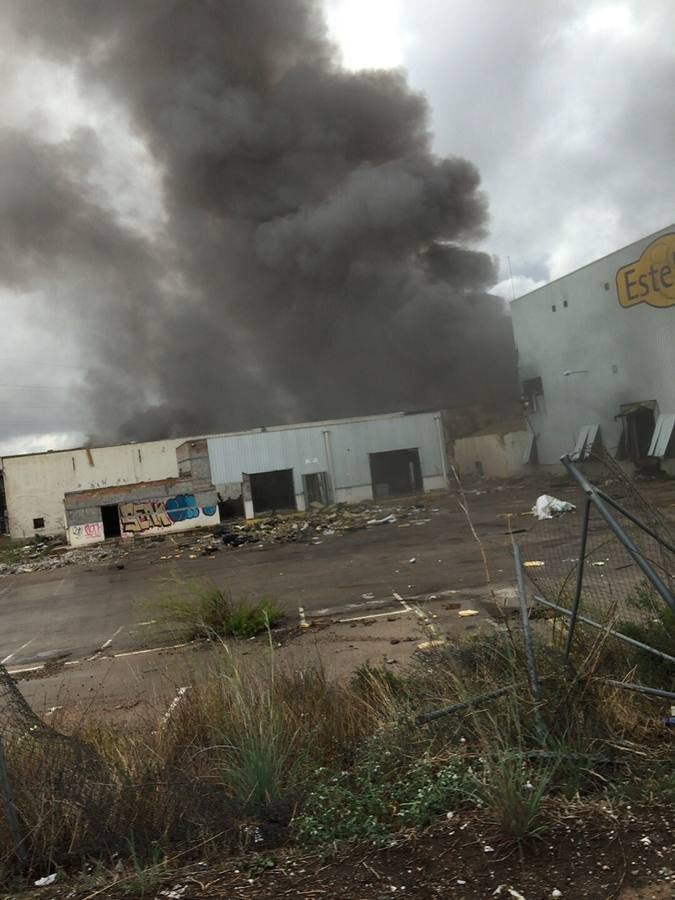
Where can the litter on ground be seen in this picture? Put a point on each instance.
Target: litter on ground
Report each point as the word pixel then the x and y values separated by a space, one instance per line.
pixel 546 506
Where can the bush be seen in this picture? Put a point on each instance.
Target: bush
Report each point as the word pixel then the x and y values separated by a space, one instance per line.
pixel 199 610
pixel 382 792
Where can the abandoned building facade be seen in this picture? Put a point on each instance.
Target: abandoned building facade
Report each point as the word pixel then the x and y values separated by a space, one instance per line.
pixel 596 357
pixel 90 494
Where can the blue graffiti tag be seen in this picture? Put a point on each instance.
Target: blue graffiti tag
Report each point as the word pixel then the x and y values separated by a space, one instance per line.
pixel 209 510
pixel 182 507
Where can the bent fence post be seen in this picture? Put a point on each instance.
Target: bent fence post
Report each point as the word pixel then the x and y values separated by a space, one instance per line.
pixel 616 634
pixel 532 673
pixel 592 493
pixel 458 707
pixel 634 519
pixel 642 688
pixel 580 578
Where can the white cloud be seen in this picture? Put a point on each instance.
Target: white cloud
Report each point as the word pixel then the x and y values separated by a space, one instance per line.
pixel 510 289
pixel 38 443
pixel 369 33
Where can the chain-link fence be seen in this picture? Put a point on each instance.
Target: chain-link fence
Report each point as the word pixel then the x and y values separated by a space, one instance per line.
pixel 47 780
pixel 581 556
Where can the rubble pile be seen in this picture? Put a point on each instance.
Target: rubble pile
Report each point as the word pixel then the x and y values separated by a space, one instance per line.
pixel 317 522
pixel 42 558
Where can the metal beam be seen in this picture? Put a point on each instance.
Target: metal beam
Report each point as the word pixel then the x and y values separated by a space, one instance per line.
pixel 592 493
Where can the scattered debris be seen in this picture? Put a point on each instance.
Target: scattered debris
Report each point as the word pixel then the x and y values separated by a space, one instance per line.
pixel 512 892
pixel 386 520
pixel 47 880
pixel 431 645
pixel 534 563
pixel 465 613
pixel 546 506
pixel 35 559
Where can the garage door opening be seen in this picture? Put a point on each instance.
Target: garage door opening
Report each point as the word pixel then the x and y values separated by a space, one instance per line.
pixel 272 491
pixel 396 473
pixel 316 488
pixel 638 427
pixel 110 516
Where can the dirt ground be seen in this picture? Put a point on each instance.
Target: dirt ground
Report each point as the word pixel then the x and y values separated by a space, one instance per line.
pixel 366 596
pixel 594 854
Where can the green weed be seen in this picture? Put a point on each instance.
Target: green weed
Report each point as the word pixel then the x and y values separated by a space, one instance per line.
pixel 200 610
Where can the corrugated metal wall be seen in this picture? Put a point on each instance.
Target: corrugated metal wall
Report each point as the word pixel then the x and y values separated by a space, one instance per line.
pixel 612 355
pixel 304 449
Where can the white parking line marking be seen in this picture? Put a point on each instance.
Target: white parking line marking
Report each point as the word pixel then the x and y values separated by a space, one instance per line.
pixel 18 650
pixel 389 612
pixel 111 639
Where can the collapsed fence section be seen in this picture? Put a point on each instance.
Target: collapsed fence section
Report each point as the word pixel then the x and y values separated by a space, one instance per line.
pixel 610 568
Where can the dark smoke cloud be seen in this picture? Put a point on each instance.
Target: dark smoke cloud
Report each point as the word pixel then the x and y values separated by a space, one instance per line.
pixel 314 259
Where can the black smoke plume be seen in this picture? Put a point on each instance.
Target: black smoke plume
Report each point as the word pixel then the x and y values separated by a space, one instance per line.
pixel 314 259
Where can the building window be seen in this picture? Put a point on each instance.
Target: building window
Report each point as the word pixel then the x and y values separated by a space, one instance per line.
pixel 39 522
pixel 553 308
pixel 565 303
pixel 533 391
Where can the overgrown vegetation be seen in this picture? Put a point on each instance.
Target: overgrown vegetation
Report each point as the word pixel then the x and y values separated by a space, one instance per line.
pixel 253 756
pixel 656 629
pixel 196 609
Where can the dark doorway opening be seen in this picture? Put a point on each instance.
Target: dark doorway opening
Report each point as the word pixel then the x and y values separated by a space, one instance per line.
pixel 639 422
pixel 232 508
pixel 316 488
pixel 272 490
pixel 396 473
pixel 110 516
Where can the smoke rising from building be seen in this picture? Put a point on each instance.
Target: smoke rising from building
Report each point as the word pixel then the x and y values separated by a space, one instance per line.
pixel 313 259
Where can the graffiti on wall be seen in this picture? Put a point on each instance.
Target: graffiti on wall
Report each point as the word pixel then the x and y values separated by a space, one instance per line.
pixel 139 517
pixel 85 534
pixel 92 531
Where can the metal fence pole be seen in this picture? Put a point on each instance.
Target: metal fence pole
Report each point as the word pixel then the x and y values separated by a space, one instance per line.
pixel 642 688
pixel 616 634
pixel 629 515
pixel 458 707
pixel 632 549
pixel 580 578
pixel 8 807
pixel 532 673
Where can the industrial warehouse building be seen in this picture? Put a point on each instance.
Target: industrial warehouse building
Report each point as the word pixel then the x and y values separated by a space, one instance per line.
pixel 596 364
pixel 163 486
pixel 596 358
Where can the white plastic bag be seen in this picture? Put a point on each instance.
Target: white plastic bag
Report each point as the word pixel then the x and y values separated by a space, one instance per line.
pixel 546 506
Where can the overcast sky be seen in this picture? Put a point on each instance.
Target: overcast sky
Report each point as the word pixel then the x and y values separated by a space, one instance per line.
pixel 565 107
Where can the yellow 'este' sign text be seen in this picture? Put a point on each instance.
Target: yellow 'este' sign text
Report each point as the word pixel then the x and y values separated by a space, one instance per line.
pixel 650 279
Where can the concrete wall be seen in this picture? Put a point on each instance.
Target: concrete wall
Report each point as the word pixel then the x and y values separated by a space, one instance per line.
pixel 153 508
pixel 497 455
pixel 35 484
pixel 340 448
pixel 613 354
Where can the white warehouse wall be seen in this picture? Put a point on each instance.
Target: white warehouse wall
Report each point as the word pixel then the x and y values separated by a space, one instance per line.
pixel 35 483
pixel 341 448
pixel 616 355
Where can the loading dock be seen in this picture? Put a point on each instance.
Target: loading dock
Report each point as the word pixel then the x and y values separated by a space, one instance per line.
pixel 396 473
pixel 272 491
